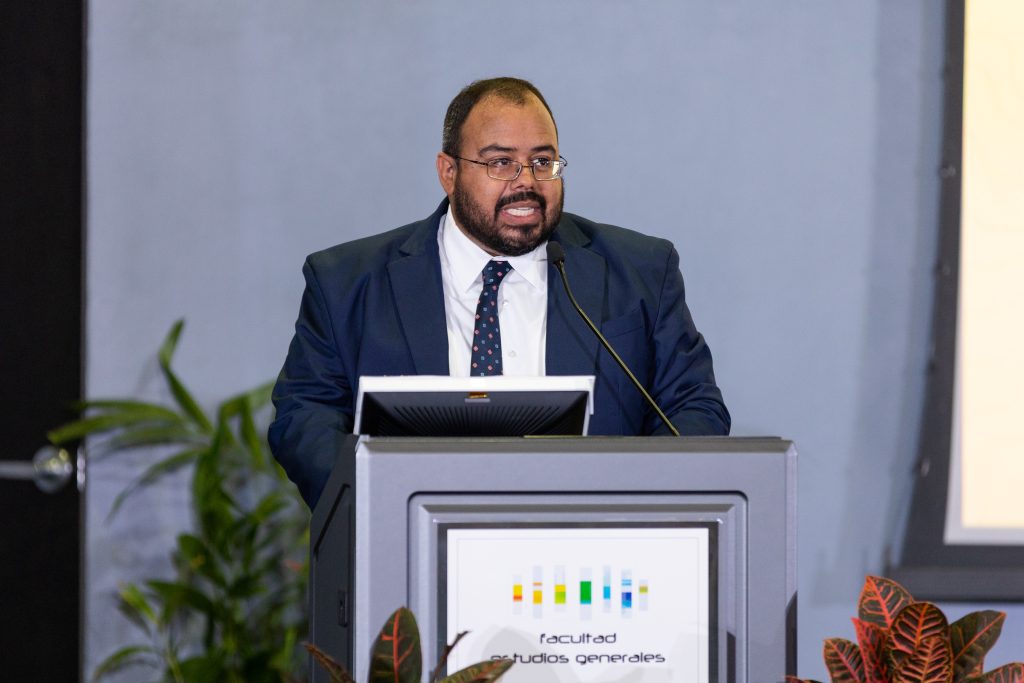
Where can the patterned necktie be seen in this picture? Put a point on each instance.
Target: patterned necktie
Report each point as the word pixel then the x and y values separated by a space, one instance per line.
pixel 486 357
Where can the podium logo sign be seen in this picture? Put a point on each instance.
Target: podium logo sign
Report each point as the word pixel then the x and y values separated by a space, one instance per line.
pixel 580 592
pixel 584 605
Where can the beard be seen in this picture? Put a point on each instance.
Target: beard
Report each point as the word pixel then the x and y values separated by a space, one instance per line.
pixel 506 240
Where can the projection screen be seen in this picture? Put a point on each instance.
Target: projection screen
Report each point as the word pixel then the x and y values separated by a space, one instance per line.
pixel 987 444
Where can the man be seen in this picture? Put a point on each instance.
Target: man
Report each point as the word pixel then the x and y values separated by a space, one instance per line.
pixel 406 301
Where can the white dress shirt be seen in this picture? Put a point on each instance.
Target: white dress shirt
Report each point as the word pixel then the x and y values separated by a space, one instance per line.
pixel 522 302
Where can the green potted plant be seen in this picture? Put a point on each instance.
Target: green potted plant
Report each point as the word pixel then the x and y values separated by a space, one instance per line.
pixel 234 609
pixel 900 640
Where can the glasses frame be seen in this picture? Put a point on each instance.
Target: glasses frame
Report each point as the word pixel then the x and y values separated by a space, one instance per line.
pixel 562 163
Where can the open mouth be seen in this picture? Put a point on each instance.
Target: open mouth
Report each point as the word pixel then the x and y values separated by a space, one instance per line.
pixel 524 206
pixel 521 212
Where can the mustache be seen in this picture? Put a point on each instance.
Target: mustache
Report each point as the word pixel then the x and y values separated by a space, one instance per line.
pixel 524 196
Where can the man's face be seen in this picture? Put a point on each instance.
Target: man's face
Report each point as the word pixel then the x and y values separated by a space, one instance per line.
pixel 509 217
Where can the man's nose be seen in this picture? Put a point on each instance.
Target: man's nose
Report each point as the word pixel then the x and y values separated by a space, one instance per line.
pixel 525 179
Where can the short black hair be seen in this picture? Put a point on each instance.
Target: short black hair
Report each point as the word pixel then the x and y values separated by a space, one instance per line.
pixel 514 90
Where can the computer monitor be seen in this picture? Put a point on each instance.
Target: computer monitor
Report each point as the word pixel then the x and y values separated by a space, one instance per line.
pixel 426 405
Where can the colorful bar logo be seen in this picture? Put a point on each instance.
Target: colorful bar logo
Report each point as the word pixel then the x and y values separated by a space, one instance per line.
pixel 578 588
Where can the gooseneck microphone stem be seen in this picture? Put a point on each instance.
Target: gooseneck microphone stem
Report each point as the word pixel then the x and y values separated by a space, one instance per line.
pixel 556 257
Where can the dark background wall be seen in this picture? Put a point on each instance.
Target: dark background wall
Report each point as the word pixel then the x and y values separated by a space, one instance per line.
pixel 41 105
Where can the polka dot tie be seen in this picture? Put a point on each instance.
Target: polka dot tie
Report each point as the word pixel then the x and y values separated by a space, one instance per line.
pixel 486 356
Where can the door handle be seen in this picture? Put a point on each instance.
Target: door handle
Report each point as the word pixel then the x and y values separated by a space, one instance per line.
pixel 50 469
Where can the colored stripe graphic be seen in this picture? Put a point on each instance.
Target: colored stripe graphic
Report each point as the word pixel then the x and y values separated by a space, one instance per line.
pixel 632 595
pixel 606 588
pixel 538 590
pixel 559 585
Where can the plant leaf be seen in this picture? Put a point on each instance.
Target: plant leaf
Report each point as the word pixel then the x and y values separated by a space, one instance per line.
pixel 336 671
pixel 197 555
pixel 100 424
pixel 209 667
pixel 181 395
pixel 930 662
pixel 396 652
pixel 872 639
pixel 1007 673
pixel 912 626
pixel 153 473
pixel 176 595
pixel 132 655
pixel 132 597
pixel 481 672
pixel 155 434
pixel 248 403
pixel 881 600
pixel 213 506
pixel 844 661
pixel 436 673
pixel 971 637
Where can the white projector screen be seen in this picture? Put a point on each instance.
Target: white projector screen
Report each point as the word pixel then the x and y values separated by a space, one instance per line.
pixel 987 445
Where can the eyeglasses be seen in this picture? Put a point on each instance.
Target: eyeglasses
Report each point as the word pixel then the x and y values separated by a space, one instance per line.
pixel 507 169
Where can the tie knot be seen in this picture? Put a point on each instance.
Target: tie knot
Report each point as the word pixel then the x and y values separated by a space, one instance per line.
pixel 494 271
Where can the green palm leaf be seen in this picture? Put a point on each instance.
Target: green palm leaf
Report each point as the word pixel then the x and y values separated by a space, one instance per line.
pixel 181 395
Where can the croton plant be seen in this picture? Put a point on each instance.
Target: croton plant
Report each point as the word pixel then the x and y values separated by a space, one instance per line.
pixel 396 658
pixel 900 640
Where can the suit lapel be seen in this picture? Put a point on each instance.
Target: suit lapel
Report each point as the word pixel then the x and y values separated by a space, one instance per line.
pixel 571 346
pixel 419 297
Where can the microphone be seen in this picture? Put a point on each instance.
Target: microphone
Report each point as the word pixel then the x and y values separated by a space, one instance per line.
pixel 556 257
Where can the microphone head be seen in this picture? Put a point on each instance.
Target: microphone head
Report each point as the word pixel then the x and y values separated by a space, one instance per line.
pixel 556 255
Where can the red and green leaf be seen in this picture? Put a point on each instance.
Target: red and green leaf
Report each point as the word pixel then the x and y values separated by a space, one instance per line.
pixel 844 662
pixel 912 626
pixel 881 600
pixel 930 662
pixel 334 669
pixel 872 639
pixel 396 657
pixel 481 672
pixel 435 675
pixel 1008 673
pixel 971 637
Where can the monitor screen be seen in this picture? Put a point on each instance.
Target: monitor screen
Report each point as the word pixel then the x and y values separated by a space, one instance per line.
pixel 473 406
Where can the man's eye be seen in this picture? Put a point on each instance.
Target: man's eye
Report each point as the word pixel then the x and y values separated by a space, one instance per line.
pixel 500 163
pixel 542 163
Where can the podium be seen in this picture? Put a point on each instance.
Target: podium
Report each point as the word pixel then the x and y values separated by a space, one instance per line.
pixel 596 558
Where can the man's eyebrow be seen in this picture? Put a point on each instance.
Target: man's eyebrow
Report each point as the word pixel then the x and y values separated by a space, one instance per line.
pixel 508 150
pixel 496 148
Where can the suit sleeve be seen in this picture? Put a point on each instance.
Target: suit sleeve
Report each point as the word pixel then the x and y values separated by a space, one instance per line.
pixel 684 379
pixel 313 396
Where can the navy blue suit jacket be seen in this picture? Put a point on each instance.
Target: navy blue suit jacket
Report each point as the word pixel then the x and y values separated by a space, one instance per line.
pixel 375 306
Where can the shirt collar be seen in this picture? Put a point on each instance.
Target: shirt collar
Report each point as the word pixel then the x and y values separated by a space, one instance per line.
pixel 466 259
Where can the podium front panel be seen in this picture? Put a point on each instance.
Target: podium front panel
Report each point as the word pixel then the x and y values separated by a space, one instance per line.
pixel 580 531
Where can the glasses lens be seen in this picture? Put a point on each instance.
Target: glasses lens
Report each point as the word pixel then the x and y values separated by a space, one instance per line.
pixel 503 169
pixel 547 169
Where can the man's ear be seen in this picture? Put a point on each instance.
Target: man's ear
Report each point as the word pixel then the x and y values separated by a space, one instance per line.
pixel 446 173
